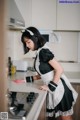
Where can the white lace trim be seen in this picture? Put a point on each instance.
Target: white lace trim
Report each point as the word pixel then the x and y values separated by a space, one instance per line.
pixel 69 112
pixel 60 113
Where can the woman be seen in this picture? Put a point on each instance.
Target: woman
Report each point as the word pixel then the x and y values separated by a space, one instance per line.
pixel 60 94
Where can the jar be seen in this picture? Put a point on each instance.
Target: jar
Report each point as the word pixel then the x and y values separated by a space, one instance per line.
pixel 13 69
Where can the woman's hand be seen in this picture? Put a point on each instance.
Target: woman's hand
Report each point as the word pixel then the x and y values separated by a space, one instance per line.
pixel 44 87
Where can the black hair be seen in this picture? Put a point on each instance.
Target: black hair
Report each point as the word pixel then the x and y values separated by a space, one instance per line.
pixel 33 34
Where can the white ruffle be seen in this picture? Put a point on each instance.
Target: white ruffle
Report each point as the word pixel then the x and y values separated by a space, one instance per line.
pixel 66 113
pixel 60 113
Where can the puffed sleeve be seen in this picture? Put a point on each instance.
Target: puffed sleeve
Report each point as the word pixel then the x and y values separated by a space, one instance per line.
pixel 45 55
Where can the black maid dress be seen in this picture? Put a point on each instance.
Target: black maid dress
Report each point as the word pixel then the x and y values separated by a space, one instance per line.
pixel 59 102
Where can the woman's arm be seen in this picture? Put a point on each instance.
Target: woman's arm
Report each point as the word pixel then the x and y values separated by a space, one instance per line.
pixel 36 77
pixel 32 78
pixel 58 70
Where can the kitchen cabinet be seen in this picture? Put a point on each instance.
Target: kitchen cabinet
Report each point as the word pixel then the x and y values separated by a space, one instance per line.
pixel 50 14
pixel 76 115
pixel 68 16
pixel 42 115
pixel 44 14
pixel 3 71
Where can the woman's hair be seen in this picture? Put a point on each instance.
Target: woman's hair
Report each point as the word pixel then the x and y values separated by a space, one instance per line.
pixel 33 34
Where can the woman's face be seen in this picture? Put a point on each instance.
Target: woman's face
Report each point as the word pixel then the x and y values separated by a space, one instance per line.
pixel 29 43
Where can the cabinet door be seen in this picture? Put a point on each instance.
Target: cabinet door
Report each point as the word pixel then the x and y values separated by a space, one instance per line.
pixel 44 14
pixel 76 115
pixel 42 115
pixel 68 16
pixel 3 65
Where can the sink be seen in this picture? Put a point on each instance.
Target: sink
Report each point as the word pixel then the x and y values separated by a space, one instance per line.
pixel 20 103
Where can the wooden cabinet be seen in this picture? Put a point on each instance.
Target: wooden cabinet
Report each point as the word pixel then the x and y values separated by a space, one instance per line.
pixel 44 14
pixel 3 39
pixel 76 115
pixel 42 115
pixel 68 16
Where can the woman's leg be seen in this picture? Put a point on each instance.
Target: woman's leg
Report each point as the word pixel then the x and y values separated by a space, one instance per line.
pixel 69 117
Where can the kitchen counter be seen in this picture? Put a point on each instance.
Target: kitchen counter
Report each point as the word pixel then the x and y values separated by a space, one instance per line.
pixel 28 87
pixel 74 77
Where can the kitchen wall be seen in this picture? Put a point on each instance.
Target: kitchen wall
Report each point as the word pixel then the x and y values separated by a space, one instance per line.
pixel 65 50
pixel 14 46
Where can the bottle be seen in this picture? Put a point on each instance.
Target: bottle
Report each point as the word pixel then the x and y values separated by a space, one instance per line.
pixel 9 65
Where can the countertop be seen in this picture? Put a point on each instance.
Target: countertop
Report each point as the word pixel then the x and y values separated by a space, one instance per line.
pixel 74 77
pixel 28 87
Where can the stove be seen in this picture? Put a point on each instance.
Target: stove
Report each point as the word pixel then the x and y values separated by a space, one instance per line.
pixel 20 103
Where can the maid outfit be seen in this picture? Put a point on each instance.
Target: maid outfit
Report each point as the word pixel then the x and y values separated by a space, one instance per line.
pixel 60 97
